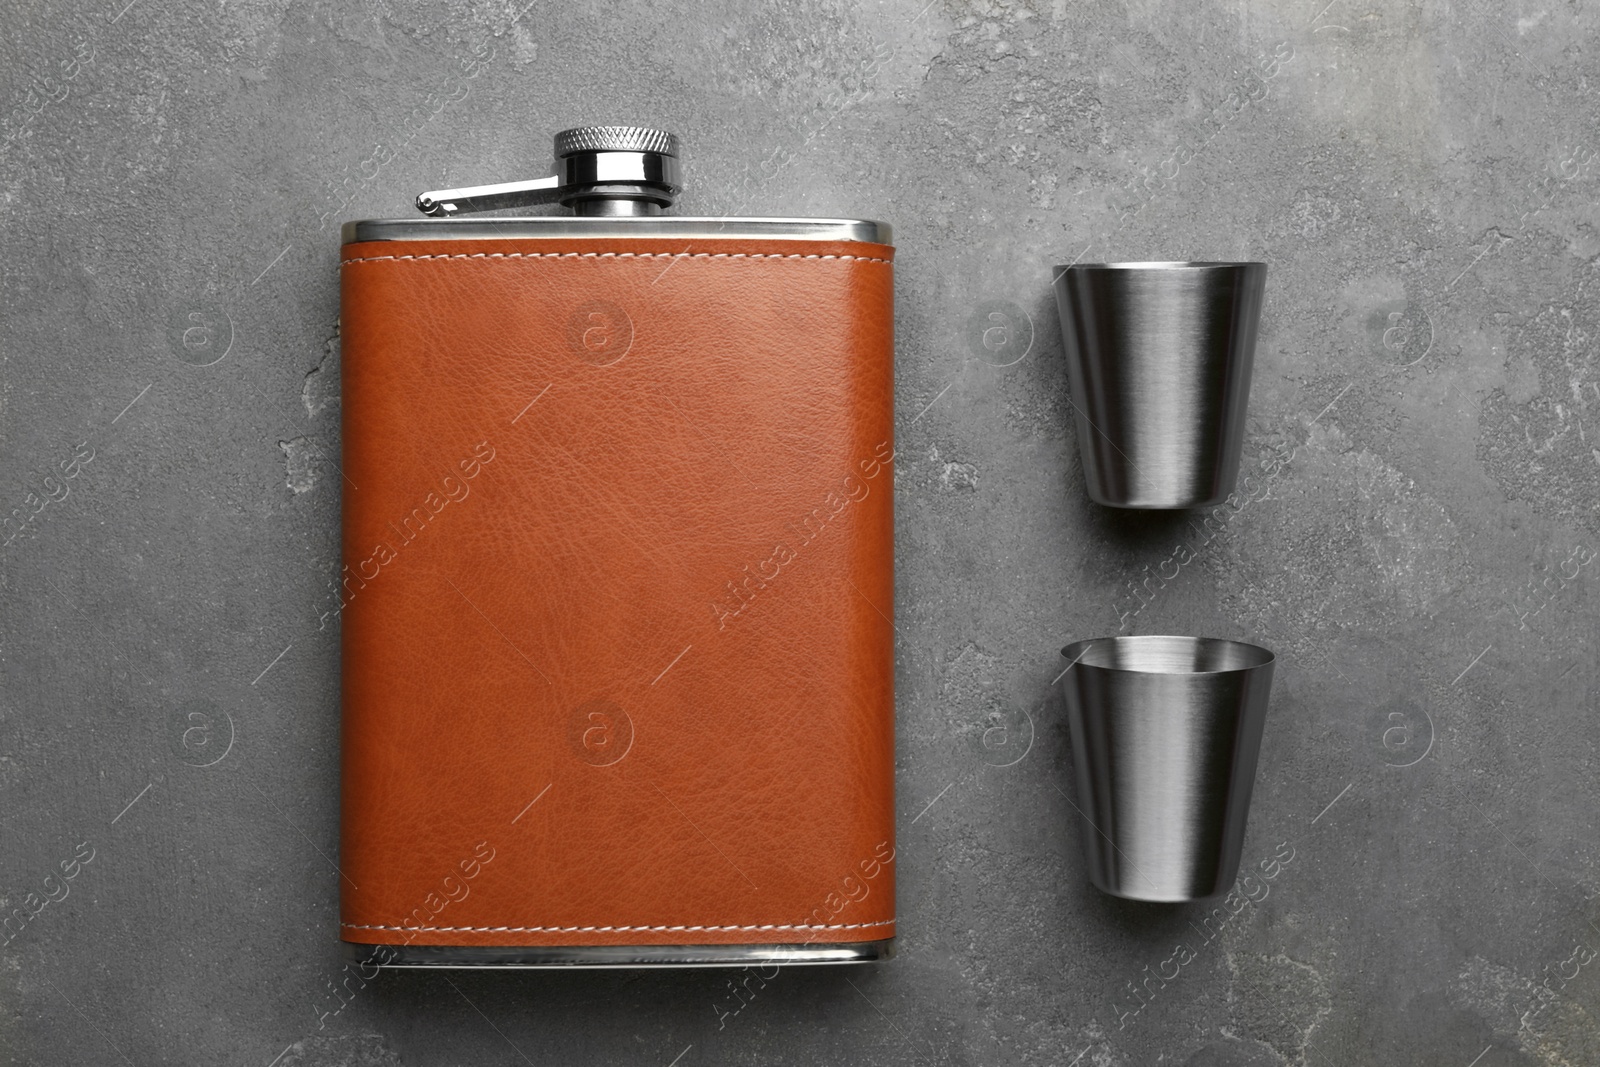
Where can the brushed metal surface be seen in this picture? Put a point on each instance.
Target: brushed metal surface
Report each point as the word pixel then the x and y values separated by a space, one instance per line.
pixel 1165 736
pixel 1159 358
pixel 684 226
pixel 591 957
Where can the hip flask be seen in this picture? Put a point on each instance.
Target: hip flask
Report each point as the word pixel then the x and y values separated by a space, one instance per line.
pixel 618 660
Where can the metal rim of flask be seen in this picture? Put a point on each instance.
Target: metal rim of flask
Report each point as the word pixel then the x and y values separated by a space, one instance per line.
pixel 588 957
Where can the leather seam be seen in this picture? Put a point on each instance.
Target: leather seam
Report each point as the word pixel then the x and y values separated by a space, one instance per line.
pixel 616 255
pixel 607 929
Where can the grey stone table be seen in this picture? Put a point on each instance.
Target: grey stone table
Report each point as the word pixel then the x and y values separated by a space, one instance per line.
pixel 1419 543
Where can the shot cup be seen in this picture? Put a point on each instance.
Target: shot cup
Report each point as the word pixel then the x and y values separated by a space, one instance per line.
pixel 1165 736
pixel 1159 358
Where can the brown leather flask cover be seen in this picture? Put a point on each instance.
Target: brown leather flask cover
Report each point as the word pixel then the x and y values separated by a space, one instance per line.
pixel 618 536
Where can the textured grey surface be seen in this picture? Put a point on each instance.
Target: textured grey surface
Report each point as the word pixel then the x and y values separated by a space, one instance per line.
pixel 1422 179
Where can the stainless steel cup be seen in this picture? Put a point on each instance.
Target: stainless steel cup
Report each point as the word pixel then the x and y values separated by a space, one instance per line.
pixel 1159 358
pixel 1165 734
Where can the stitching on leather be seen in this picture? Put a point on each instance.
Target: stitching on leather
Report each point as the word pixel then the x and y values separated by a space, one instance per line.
pixel 608 929
pixel 615 255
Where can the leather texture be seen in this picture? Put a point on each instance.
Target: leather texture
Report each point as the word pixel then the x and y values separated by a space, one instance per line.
pixel 618 535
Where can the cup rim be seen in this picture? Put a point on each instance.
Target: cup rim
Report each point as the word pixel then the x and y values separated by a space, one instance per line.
pixel 1163 265
pixel 1077 650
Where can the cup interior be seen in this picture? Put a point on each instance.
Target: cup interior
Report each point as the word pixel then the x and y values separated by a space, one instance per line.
pixel 1167 654
pixel 1160 265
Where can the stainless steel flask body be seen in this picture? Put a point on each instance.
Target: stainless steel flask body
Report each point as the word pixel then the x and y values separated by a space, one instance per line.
pixel 1165 735
pixel 1159 358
